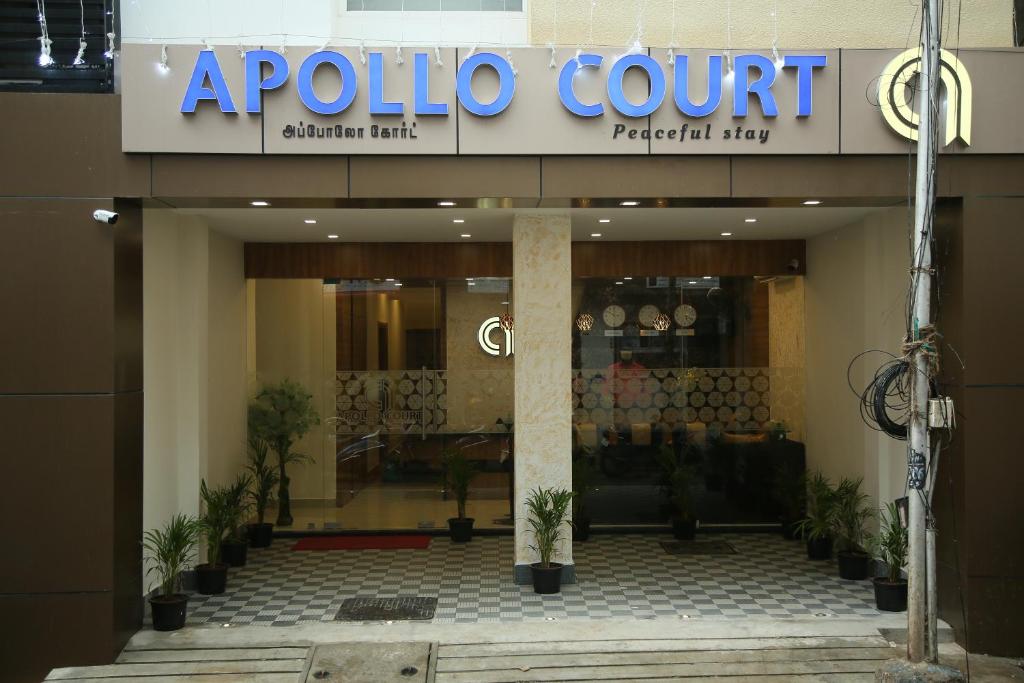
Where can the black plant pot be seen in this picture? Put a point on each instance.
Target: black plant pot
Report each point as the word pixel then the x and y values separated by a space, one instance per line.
pixel 211 579
pixel 890 597
pixel 853 566
pixel 460 529
pixel 819 548
pixel 234 552
pixel 168 612
pixel 546 580
pixel 261 535
pixel 581 529
pixel 684 529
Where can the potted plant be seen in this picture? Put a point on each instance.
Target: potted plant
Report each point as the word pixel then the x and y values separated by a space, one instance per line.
pixel 281 414
pixel 676 488
pixel 891 590
pixel 214 522
pixel 458 472
pixel 264 479
pixel 816 527
pixel 582 477
pixel 851 516
pixel 548 511
pixel 234 547
pixel 791 498
pixel 168 552
pixel 778 430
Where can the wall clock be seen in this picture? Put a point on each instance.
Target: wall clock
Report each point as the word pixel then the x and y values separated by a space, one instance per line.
pixel 647 315
pixel 685 315
pixel 614 315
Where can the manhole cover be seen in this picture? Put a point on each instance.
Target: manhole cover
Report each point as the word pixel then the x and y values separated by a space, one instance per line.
pixel 698 548
pixel 387 609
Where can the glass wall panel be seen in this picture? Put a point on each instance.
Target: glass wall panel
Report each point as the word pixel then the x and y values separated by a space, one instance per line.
pixel 676 372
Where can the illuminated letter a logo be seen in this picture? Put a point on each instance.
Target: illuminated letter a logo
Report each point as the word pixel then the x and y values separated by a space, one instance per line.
pixel 897 109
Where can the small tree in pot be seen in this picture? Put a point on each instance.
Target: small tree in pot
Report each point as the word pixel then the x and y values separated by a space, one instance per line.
pixel 234 547
pixel 582 478
pixel 816 528
pixel 458 472
pixel 264 479
pixel 548 512
pixel 676 487
pixel 851 518
pixel 168 552
pixel 281 414
pixel 891 590
pixel 214 522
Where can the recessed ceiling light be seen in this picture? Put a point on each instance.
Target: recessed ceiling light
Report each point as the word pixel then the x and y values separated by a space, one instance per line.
pixel 471 283
pixel 726 234
pixel 595 234
pixel 466 235
pixel 310 221
pixel 619 282
pixel 389 279
pixel 707 277
pixel 458 220
pixel 693 282
pixel 260 202
pixel 398 284
pixel 604 220
pixel 627 278
pixel 749 220
pixel 504 303
pixel 812 202
pixel 446 203
pixel 469 279
pixel 332 237
pixel 630 202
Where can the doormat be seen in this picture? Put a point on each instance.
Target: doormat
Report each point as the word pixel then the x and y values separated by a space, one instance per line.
pixel 387 609
pixel 396 542
pixel 698 548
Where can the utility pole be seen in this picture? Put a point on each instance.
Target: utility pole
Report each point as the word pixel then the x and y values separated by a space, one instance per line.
pixel 918 447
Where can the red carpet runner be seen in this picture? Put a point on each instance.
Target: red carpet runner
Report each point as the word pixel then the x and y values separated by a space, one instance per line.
pixel 363 543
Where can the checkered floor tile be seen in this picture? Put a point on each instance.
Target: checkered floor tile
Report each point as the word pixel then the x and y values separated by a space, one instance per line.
pixel 618 576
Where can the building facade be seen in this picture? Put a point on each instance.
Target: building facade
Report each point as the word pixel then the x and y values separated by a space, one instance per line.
pixel 695 214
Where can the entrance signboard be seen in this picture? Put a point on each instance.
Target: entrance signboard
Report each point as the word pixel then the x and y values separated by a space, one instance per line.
pixel 449 101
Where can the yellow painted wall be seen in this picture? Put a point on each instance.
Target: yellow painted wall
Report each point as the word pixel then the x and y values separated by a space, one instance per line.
pixel 801 23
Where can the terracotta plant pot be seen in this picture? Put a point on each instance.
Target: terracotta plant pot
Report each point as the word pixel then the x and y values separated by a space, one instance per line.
pixel 168 611
pixel 890 596
pixel 546 580
pixel 460 529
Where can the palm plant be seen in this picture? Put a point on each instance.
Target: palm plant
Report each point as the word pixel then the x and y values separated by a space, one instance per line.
pixel 280 415
pixel 238 505
pixel 264 477
pixel 169 551
pixel 216 519
pixel 548 510
pixel 459 472
pixel 892 542
pixel 852 513
pixel 821 509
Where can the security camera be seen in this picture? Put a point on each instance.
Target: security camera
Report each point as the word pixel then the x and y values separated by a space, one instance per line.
pixel 103 216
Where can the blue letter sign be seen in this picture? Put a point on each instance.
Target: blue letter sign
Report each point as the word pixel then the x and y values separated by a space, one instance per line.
pixel 254 81
pixel 762 87
pixel 207 68
pixel 682 93
pixel 421 88
pixel 348 82
pixel 655 76
pixel 804 65
pixel 506 84
pixel 565 81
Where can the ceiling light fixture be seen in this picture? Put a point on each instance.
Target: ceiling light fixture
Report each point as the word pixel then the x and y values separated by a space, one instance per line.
pixel 446 203
pixel 749 220
pixel 310 221
pixel 332 237
pixel 707 277
pixel 604 220
pixel 458 220
pixel 466 235
pixel 812 202
pixel 260 202
pixel 628 278
pixel 389 279
pixel 629 202
pixel 595 234
pixel 726 234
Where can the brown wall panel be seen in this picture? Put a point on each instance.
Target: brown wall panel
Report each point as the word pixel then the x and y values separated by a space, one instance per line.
pixel 56 297
pixel 127 517
pixel 445 177
pixel 59 475
pixel 635 177
pixel 993 254
pixel 964 176
pixel 819 176
pixel 737 258
pixel 41 632
pixel 67 146
pixel 362 260
pixel 257 177
pixel 994 615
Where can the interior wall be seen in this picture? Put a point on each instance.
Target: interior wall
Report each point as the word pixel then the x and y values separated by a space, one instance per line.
pixel 855 291
pixel 787 352
pixel 294 338
pixel 194 326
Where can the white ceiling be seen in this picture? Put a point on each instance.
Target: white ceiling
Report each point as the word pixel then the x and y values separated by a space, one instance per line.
pixel 495 225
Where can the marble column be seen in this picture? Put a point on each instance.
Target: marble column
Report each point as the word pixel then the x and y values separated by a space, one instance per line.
pixel 542 308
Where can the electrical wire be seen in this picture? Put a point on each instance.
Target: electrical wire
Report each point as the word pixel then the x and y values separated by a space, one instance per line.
pixel 885 401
